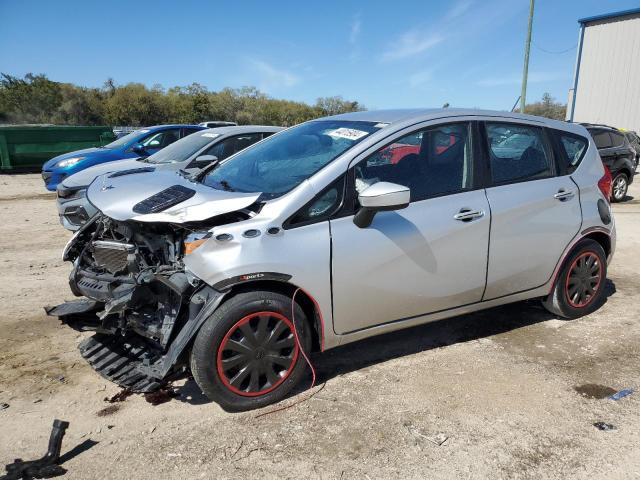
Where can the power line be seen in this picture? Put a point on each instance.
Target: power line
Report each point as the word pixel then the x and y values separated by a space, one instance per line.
pixel 552 52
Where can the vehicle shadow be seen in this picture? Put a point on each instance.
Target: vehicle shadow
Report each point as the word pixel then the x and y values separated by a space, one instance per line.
pixel 442 333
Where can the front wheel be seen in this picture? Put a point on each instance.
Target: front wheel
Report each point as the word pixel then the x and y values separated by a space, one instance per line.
pixel 619 185
pixel 579 287
pixel 246 355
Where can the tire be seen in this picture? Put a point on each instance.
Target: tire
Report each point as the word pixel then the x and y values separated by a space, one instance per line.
pixel 566 298
pixel 619 187
pixel 232 358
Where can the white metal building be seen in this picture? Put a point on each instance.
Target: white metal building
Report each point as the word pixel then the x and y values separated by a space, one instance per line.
pixel 606 86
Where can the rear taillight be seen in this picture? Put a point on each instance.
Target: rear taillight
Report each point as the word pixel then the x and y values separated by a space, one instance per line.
pixel 604 184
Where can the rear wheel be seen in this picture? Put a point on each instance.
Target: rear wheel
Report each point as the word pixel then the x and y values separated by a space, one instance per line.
pixel 579 288
pixel 246 356
pixel 619 187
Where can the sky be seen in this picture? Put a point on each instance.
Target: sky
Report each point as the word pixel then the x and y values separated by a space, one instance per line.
pixel 400 54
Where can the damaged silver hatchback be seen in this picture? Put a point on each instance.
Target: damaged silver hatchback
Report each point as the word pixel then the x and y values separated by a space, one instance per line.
pixel 329 232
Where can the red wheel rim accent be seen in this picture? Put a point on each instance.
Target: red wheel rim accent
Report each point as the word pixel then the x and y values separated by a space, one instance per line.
pixel 584 278
pixel 255 355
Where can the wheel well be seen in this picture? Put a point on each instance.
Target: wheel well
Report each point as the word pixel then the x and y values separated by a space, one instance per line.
pixel 603 239
pixel 625 171
pixel 303 299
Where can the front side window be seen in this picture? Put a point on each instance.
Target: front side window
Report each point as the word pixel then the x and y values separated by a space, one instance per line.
pixel 617 140
pixel 183 148
pixel 322 207
pixel 161 139
pixel 517 153
pixel 232 145
pixel 284 161
pixel 430 162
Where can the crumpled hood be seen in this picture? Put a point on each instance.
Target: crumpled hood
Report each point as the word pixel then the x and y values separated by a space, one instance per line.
pixel 117 196
pixel 86 176
pixel 93 151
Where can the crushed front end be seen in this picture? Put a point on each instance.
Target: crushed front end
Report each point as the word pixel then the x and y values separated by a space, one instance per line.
pixel 138 298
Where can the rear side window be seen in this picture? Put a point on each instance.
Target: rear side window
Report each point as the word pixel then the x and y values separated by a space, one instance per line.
pixel 517 153
pixel 601 138
pixel 572 149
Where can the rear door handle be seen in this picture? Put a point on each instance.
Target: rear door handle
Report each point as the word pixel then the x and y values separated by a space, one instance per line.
pixel 466 215
pixel 563 195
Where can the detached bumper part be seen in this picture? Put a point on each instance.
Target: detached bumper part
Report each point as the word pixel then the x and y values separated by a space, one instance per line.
pixel 127 358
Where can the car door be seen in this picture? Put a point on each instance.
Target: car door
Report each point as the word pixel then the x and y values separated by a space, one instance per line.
pixel 157 141
pixel 535 212
pixel 427 257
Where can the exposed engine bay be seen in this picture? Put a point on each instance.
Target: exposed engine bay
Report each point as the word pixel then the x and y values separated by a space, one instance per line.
pixel 137 296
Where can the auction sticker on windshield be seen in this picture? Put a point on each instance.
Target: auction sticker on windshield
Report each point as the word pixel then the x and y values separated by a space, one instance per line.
pixel 348 133
pixel 210 135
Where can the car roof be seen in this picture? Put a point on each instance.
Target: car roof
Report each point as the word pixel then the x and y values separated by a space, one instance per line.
pixel 424 114
pixel 243 129
pixel 172 125
pixel 409 116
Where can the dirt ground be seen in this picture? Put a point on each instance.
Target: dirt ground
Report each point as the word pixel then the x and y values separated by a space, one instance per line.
pixel 502 387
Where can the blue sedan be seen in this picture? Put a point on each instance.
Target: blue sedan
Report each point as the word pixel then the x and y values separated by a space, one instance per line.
pixel 141 143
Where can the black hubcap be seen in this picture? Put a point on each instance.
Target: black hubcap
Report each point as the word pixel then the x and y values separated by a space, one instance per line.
pixel 583 280
pixel 257 354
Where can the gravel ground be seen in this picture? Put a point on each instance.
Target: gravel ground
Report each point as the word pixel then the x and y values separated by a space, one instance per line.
pixel 489 395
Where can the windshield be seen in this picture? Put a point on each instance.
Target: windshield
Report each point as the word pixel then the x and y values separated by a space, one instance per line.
pixel 182 149
pixel 130 138
pixel 285 160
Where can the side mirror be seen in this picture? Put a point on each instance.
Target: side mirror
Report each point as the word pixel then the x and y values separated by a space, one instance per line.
pixel 379 197
pixel 138 148
pixel 203 160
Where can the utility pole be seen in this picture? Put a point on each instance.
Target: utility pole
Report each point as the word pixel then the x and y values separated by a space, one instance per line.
pixel 527 48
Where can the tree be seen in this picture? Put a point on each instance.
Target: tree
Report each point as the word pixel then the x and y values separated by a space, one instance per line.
pixel 547 107
pixel 336 105
pixel 36 99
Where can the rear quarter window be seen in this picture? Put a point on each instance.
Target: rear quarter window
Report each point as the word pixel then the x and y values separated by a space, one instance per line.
pixel 572 149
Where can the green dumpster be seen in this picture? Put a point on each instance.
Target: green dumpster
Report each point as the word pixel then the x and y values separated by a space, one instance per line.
pixel 27 147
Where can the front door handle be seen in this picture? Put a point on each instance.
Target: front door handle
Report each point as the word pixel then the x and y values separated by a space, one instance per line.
pixel 563 195
pixel 466 215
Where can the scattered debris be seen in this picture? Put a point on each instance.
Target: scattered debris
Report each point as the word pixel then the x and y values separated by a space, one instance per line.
pixel 4 406
pixel 621 394
pixel 604 426
pixel 121 396
pixel 439 439
pixel 45 467
pixel 593 390
pixel 163 395
pixel 37 400
pixel 61 379
pixel 110 410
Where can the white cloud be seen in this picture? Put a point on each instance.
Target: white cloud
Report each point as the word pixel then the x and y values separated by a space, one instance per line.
pixel 412 42
pixel 420 78
pixel 458 9
pixel 356 26
pixel 516 79
pixel 271 77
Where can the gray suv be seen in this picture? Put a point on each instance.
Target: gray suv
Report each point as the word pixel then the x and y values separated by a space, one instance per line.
pixel 333 231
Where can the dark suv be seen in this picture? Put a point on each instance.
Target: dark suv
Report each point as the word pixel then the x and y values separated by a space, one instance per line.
pixel 618 156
